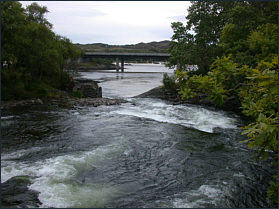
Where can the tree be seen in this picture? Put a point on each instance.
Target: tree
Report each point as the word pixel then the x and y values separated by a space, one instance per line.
pixel 12 23
pixel 36 13
pixel 264 42
pixel 35 54
pixel 178 46
pixel 197 42
pixel 245 17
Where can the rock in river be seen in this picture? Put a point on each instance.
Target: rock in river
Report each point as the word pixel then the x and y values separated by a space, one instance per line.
pixel 15 193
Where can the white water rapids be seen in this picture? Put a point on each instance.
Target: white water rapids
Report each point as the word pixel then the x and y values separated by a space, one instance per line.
pixel 145 153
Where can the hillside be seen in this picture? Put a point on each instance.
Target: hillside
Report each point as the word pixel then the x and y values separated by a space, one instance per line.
pixel 159 47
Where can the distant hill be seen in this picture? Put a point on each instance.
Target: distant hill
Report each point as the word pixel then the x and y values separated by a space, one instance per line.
pixel 159 47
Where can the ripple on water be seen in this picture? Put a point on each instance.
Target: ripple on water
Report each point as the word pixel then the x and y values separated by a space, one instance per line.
pixel 140 155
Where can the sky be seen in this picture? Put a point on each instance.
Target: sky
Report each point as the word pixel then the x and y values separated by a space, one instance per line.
pixel 114 22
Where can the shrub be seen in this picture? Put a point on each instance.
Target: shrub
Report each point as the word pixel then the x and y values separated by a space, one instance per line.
pixel 66 81
pixel 77 94
pixel 169 82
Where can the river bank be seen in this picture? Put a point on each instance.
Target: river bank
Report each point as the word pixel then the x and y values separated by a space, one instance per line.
pixel 92 94
pixel 66 102
pixel 231 104
pixel 89 67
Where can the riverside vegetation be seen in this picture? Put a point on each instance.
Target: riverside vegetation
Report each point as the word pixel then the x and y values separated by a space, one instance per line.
pixel 235 46
pixel 34 61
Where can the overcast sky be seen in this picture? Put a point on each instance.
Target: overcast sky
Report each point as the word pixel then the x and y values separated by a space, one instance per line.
pixel 114 22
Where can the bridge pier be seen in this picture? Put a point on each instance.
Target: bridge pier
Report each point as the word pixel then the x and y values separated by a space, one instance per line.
pixel 117 64
pixel 122 64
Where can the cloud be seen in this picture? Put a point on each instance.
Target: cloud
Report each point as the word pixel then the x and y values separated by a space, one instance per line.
pixel 114 22
pixel 180 18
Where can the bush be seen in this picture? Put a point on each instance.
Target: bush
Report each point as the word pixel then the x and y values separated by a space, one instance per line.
pixel 6 93
pixel 66 81
pixel 42 91
pixel 77 94
pixel 169 82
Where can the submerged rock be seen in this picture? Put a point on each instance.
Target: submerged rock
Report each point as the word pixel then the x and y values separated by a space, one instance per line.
pixel 15 194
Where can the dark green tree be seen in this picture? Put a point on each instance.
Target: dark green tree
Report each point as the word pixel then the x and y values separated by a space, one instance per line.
pixel 33 56
pixel 12 26
pixel 36 13
pixel 197 42
pixel 245 17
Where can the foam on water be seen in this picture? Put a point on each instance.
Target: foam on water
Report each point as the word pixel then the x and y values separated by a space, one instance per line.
pixel 203 197
pixel 190 116
pixel 8 120
pixel 8 117
pixel 206 196
pixel 19 153
pixel 73 194
pixel 56 178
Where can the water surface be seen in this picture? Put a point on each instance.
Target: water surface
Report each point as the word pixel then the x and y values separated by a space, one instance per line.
pixel 145 153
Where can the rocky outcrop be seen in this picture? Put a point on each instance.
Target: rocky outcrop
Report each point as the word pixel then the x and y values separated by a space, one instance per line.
pixel 231 103
pixel 88 88
pixel 26 102
pixel 65 102
pixel 92 96
pixel 161 93
pixel 15 194
pixel 94 101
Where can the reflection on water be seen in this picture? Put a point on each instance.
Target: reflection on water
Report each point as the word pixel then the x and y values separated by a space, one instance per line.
pixel 119 77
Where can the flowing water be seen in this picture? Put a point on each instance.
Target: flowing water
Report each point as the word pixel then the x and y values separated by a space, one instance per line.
pixel 145 153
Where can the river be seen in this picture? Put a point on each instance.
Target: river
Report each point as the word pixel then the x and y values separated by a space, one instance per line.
pixel 145 153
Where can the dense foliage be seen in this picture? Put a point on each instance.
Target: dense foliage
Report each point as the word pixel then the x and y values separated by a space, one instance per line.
pixel 235 46
pixel 33 57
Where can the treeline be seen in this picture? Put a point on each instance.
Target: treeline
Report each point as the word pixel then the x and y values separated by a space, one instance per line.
pixel 33 58
pixel 235 46
pixel 152 47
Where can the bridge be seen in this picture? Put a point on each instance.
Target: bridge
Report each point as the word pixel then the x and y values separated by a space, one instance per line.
pixel 124 55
